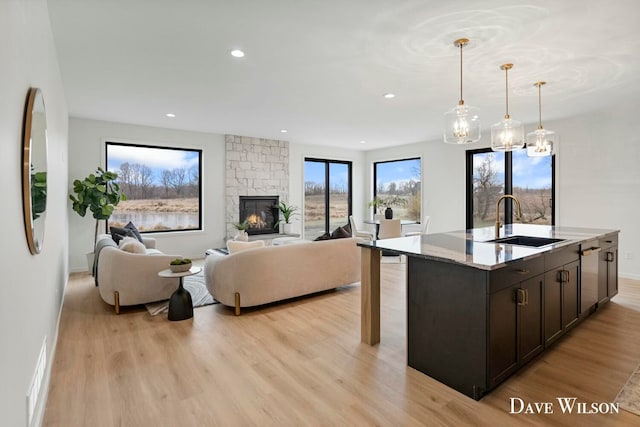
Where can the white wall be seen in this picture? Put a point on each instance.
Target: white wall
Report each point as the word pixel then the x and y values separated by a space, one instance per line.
pixel 32 286
pixel 597 178
pixel 297 154
pixel 86 153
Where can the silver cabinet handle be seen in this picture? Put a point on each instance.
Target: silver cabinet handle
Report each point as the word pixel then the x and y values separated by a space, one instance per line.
pixel 610 257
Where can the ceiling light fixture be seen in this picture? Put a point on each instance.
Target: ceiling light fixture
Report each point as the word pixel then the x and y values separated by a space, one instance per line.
pixel 508 134
pixel 363 142
pixel 389 95
pixel 283 131
pixel 237 53
pixel 170 115
pixel 541 142
pixel 462 122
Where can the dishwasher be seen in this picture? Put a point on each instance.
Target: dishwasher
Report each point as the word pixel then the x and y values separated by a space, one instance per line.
pixel 589 261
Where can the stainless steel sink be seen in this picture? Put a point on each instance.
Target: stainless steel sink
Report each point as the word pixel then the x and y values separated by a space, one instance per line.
pixel 526 241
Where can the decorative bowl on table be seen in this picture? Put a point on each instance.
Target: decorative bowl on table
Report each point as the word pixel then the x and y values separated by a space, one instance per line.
pixel 180 265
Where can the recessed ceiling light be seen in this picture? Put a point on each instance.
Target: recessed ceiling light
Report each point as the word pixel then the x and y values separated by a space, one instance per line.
pixel 170 115
pixel 363 142
pixel 284 130
pixel 389 95
pixel 237 53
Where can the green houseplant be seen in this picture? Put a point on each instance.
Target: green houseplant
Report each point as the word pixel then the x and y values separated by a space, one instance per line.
pixel 388 202
pixel 242 230
pixel 98 193
pixel 288 212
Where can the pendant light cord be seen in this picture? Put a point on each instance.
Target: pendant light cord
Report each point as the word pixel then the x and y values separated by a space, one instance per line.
pixel 461 98
pixel 539 106
pixel 506 89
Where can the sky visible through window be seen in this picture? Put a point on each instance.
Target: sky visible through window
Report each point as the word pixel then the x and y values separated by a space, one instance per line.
pixel 157 159
pixel 338 176
pixel 527 172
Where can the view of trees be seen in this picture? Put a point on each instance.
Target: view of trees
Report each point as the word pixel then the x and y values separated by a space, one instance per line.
pixel 137 182
pixel 401 178
pixel 488 186
pixel 162 185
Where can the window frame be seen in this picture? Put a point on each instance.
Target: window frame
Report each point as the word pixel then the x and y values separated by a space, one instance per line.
pixel 327 209
pixel 508 186
pixel 110 142
pixel 375 180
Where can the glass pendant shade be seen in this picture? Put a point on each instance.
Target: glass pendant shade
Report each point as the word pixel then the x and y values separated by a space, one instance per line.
pixel 462 122
pixel 508 134
pixel 462 125
pixel 541 142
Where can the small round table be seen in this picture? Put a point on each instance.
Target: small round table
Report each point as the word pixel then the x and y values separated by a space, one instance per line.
pixel 180 304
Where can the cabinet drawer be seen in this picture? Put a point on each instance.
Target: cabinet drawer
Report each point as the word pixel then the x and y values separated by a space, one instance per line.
pixel 609 241
pixel 561 257
pixel 515 272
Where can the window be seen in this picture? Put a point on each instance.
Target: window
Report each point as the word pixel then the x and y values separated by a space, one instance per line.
pixel 493 174
pixel 327 196
pixel 400 179
pixel 162 186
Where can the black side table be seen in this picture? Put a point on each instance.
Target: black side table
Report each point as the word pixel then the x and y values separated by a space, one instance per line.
pixel 180 304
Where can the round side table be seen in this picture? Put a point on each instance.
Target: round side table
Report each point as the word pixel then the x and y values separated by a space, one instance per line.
pixel 180 304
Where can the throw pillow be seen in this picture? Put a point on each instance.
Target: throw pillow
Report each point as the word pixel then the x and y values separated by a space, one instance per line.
pixel 131 244
pixel 340 233
pixel 325 236
pixel 134 230
pixel 347 228
pixel 118 234
pixel 234 246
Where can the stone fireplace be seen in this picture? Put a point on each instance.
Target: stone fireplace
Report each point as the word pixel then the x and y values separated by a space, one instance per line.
pixel 260 212
pixel 254 167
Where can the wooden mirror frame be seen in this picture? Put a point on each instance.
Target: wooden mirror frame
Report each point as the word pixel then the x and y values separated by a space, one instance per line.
pixel 34 169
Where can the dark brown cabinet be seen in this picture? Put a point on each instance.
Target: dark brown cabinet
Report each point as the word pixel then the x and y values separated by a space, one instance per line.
pixel 608 268
pixel 515 327
pixel 471 328
pixel 561 300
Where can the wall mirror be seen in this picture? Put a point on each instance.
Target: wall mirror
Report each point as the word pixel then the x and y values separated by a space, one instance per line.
pixel 34 169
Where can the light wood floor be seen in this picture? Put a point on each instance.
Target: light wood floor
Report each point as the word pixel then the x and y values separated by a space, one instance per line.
pixel 302 363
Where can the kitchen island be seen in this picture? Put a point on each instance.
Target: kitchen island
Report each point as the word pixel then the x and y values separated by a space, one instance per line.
pixel 479 309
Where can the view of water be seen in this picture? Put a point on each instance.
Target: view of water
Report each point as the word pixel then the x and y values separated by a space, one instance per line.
pixel 146 221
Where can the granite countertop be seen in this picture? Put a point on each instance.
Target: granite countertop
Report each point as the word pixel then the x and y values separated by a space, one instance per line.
pixel 471 247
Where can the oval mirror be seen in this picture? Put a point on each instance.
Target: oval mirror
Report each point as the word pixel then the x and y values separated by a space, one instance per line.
pixel 34 170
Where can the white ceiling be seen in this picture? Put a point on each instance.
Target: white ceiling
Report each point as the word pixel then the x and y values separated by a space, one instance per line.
pixel 320 68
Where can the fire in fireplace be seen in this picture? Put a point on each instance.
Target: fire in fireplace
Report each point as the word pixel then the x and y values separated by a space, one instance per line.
pixel 260 212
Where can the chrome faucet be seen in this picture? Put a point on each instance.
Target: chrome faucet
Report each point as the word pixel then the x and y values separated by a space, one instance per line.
pixel 498 223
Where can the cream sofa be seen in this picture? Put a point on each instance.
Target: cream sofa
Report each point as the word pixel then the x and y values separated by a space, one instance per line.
pixel 126 278
pixel 274 273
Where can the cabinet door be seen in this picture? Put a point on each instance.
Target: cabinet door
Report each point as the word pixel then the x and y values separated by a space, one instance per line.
pixel 530 336
pixel 612 271
pixel 503 357
pixel 570 300
pixel 552 305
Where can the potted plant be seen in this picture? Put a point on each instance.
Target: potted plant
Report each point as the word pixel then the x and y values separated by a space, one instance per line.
pixel 388 202
pixel 288 212
pixel 242 231
pixel 99 193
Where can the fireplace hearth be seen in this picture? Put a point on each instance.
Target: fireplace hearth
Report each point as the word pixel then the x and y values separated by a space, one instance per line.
pixel 261 213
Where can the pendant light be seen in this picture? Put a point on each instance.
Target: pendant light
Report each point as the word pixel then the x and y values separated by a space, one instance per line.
pixel 508 134
pixel 541 142
pixel 462 122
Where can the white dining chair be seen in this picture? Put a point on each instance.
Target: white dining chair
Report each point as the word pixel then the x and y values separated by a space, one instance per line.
pixel 425 227
pixel 359 233
pixel 389 228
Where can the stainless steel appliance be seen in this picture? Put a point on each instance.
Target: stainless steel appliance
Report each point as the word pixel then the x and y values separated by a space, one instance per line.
pixel 589 276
